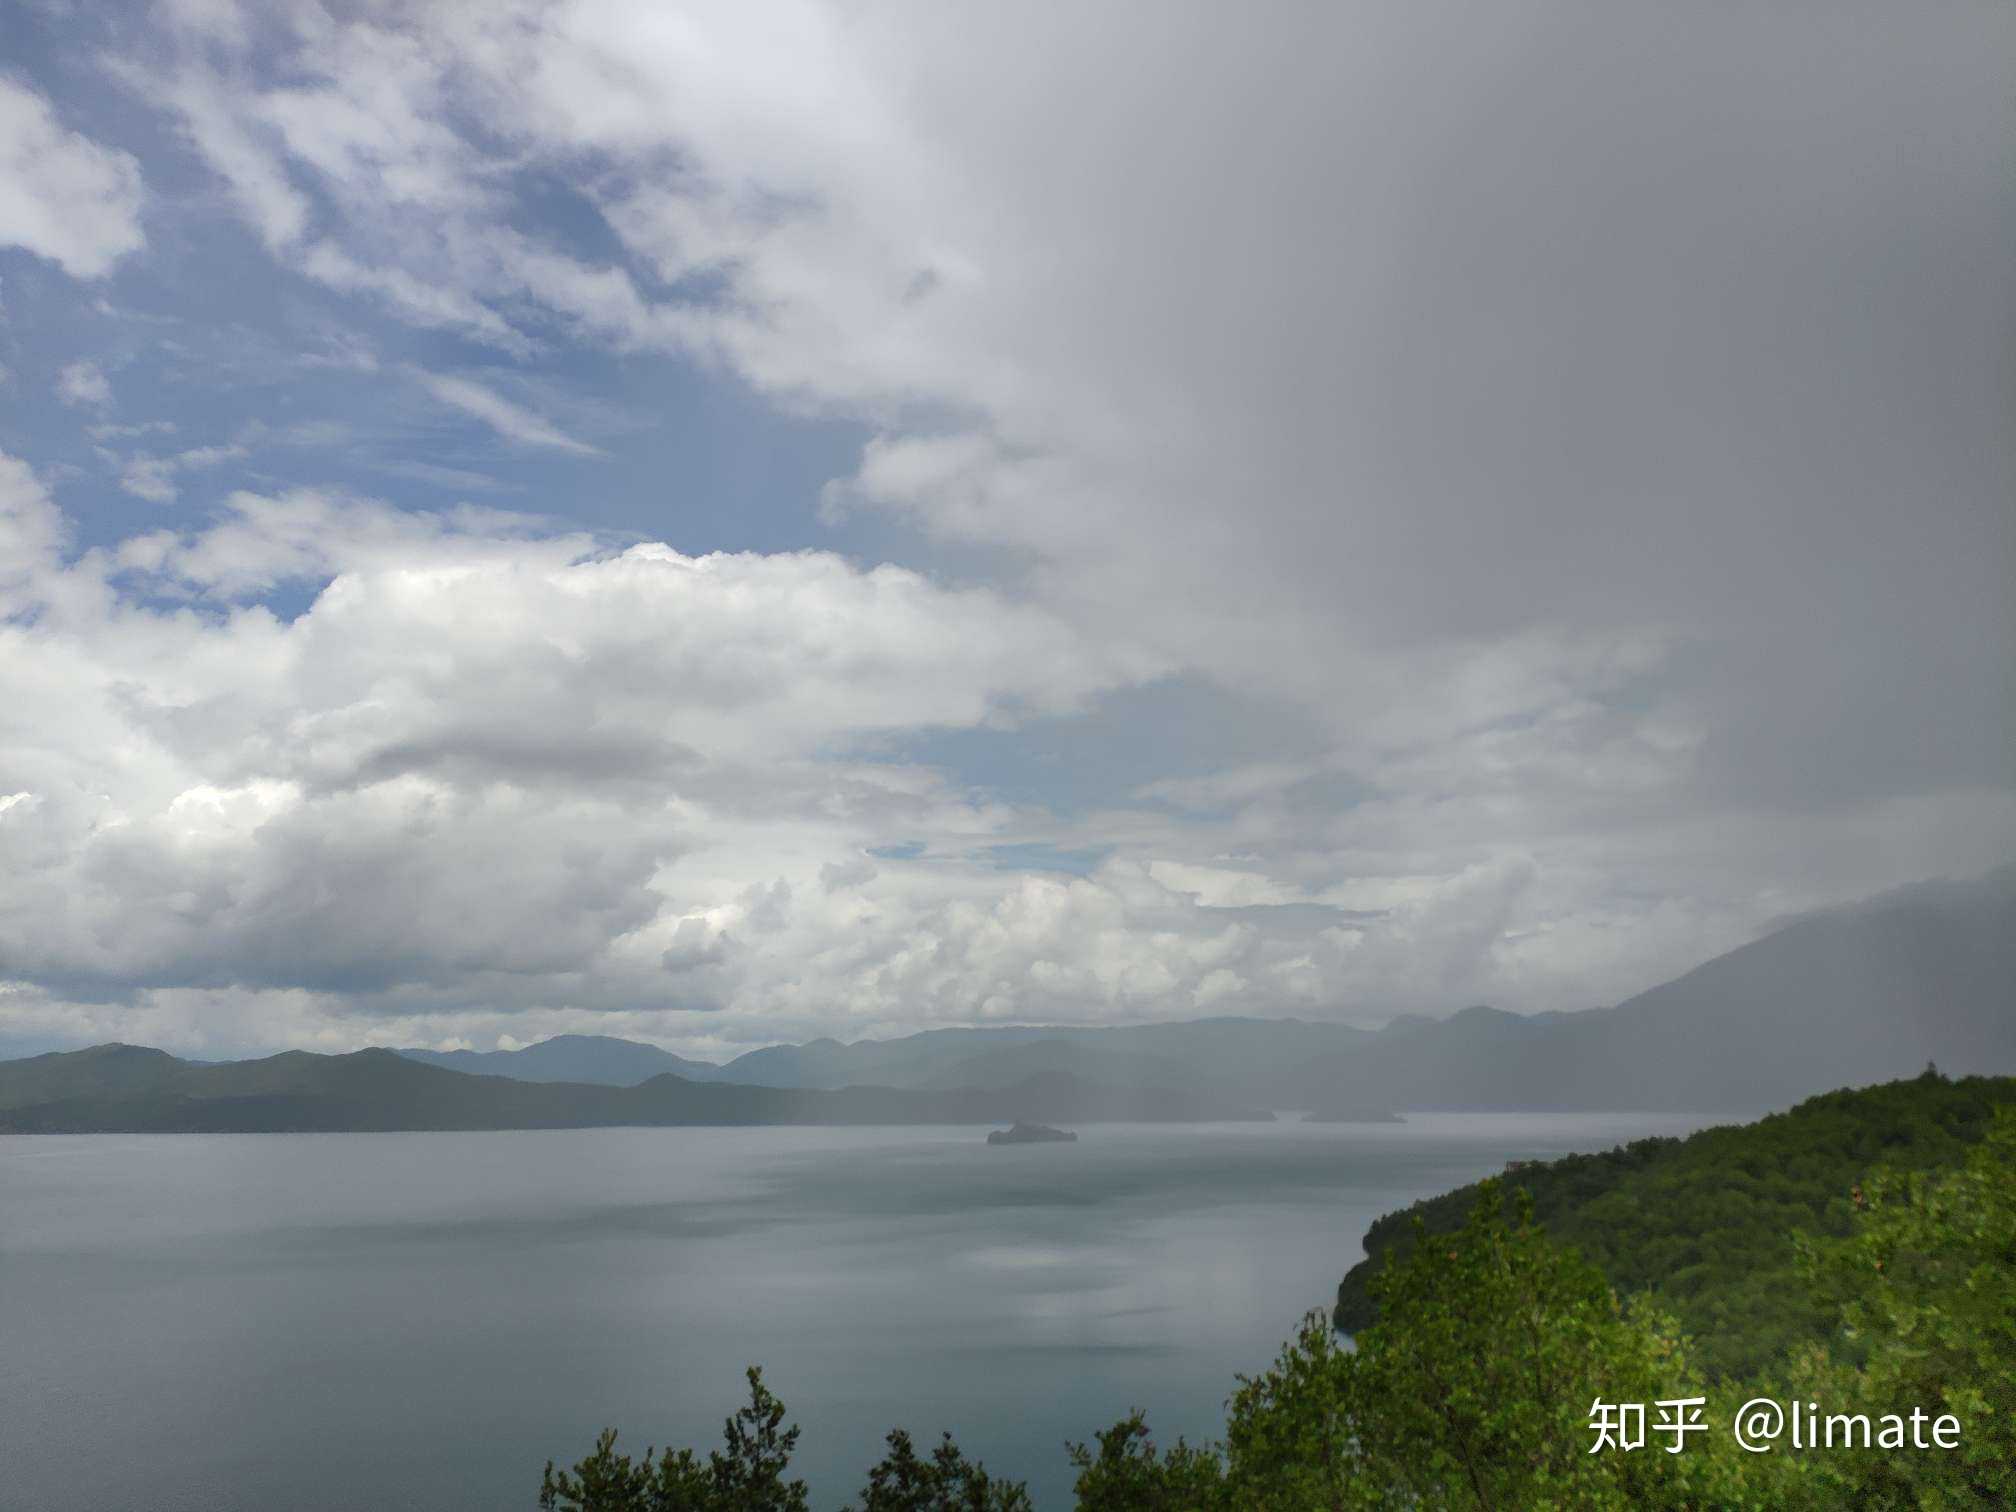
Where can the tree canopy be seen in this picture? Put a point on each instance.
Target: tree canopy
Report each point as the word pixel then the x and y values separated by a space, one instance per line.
pixel 1705 1224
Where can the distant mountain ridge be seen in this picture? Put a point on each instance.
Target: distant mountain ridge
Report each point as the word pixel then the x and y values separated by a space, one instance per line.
pixel 1847 997
pixel 1252 1054
pixel 598 1059
pixel 131 1089
pixel 1249 1052
pixel 1843 998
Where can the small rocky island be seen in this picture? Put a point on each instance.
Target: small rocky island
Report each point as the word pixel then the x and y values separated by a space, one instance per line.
pixel 1027 1133
pixel 1353 1114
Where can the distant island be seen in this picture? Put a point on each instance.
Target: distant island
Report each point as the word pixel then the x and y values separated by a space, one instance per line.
pixel 1353 1113
pixel 1028 1133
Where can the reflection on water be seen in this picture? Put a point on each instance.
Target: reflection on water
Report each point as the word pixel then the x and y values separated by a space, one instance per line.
pixel 331 1321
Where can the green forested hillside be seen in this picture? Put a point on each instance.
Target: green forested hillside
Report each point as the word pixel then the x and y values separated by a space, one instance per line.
pixel 1706 1224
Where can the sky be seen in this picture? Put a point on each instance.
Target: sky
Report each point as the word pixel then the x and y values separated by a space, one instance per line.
pixel 726 523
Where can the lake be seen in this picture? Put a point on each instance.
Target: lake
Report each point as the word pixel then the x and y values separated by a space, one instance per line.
pixel 421 1320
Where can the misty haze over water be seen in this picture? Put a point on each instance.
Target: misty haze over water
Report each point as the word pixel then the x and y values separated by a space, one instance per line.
pixel 326 1322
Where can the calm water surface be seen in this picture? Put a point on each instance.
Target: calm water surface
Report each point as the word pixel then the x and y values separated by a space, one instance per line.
pixel 421 1320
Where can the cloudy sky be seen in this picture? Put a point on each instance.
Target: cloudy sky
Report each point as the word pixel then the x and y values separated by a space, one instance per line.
pixel 726 523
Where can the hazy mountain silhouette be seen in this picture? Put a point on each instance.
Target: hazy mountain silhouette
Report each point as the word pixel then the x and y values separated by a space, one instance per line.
pixel 127 1089
pixel 1257 1056
pixel 1847 997
pixel 1844 998
pixel 596 1058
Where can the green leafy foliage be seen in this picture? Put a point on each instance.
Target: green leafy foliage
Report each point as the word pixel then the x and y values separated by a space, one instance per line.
pixel 1928 1319
pixel 1705 1224
pixel 746 1475
pixel 946 1482
pixel 1127 1473
pixel 1474 1389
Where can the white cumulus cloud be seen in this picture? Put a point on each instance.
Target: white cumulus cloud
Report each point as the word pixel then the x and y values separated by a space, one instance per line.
pixel 62 195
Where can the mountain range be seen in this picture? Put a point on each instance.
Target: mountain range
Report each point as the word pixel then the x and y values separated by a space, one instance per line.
pixel 1844 998
pixel 599 1059
pixel 132 1089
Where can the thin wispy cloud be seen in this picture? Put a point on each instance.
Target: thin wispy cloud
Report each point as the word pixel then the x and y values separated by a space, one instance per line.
pixel 153 478
pixel 511 421
pixel 85 384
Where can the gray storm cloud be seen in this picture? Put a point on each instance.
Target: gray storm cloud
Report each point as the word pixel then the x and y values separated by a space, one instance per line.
pixel 1567 446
